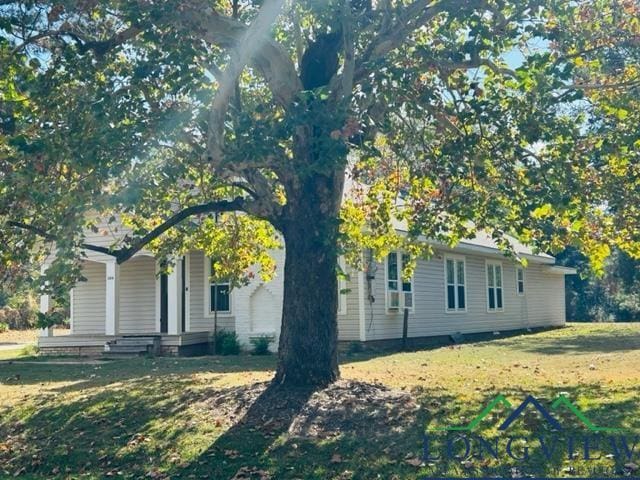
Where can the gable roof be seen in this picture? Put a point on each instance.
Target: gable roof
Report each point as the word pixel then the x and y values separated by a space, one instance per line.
pixel 484 240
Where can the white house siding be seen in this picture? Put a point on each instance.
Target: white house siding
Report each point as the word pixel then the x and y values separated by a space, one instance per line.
pixel 256 308
pixel 258 305
pixel 543 303
pixel 349 320
pixel 138 296
pixel 89 300
pixel 200 319
pixel 545 297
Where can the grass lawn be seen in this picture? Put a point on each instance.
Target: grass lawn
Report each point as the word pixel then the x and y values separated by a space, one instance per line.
pixel 214 417
pixel 15 337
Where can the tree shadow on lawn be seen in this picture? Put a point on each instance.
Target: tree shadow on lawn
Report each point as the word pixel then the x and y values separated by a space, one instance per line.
pixel 349 430
pixel 593 342
pixel 89 375
pixel 354 430
pixel 166 429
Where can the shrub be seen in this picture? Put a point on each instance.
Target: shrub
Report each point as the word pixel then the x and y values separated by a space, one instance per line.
pixel 261 345
pixel 28 310
pixel 10 316
pixel 21 313
pixel 29 351
pixel 4 327
pixel 227 343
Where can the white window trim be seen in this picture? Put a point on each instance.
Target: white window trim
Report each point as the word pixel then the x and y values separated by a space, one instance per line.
pixel 207 293
pixel 342 285
pixel 157 273
pixel 186 265
pixel 71 311
pixel 486 285
pixel 400 309
pixel 455 274
pixel 524 282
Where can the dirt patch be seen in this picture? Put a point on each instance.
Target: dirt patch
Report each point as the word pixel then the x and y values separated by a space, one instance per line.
pixel 356 408
pixel 346 407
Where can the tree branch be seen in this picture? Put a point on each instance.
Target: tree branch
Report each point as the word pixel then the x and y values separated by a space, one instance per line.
pixel 270 58
pixel 47 236
pixel 123 254
pixel 409 19
pixel 98 46
pixel 253 37
pixel 605 86
pixel 348 69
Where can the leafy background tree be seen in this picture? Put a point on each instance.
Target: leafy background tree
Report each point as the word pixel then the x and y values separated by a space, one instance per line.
pixel 612 296
pixel 233 126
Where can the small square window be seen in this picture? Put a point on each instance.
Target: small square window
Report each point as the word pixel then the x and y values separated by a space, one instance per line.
pixel 520 281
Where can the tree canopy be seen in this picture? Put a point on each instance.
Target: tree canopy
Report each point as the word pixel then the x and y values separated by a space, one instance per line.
pixel 443 116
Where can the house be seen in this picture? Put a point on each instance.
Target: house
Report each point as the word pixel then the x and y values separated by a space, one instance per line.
pixel 468 289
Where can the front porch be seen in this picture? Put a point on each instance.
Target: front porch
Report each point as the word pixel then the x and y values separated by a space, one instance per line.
pixel 129 305
pixel 182 344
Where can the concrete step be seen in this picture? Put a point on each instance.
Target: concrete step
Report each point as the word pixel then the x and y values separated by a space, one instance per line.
pixel 133 341
pixel 127 348
pixel 132 346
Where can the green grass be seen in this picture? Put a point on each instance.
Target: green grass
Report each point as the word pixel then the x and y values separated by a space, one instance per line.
pixel 211 417
pixel 18 352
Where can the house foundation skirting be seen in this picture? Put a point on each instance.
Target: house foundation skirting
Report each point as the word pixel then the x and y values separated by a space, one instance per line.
pixel 419 343
pixel 183 344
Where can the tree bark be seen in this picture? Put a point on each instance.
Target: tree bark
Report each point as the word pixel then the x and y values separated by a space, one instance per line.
pixel 308 338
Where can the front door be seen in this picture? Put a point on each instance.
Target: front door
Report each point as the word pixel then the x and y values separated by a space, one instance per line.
pixel 183 289
pixel 164 304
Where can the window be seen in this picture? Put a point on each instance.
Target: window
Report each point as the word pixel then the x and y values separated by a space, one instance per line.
pixel 342 285
pixel 219 296
pixel 399 290
pixel 494 287
pixel 456 293
pixel 520 281
pixel 219 293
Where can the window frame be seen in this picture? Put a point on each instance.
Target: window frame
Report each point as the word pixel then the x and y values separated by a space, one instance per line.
pixel 493 264
pixel 400 281
pixel 524 287
pixel 456 259
pixel 208 313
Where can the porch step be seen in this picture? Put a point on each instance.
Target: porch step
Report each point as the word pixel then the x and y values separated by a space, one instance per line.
pixel 132 346
pixel 135 340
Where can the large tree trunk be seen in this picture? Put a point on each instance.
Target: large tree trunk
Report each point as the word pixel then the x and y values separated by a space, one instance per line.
pixel 308 340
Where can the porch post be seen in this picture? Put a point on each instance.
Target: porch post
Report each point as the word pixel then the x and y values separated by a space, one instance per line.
pixel 44 308
pixel 112 314
pixel 174 299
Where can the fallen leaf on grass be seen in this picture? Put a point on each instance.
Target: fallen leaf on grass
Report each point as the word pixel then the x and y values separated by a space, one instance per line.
pixel 247 473
pixel 414 461
pixel 231 453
